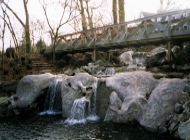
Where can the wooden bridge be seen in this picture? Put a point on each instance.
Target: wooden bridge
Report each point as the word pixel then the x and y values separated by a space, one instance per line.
pixel 167 28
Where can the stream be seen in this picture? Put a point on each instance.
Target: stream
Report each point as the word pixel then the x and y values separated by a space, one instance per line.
pixel 52 127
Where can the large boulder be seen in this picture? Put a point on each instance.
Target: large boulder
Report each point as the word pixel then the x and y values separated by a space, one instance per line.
pixel 102 98
pixel 131 92
pixel 74 87
pixel 162 102
pixel 139 96
pixel 184 130
pixel 30 88
pixel 131 57
pixel 157 57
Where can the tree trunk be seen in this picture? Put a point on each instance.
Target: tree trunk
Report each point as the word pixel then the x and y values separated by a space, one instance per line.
pixel 84 23
pixel 27 29
pixel 121 4
pixel 3 39
pixel 90 22
pixel 25 26
pixel 114 10
pixel 27 37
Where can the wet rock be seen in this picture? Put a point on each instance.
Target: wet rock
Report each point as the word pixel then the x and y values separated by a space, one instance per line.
pixel 184 129
pixel 69 72
pixel 102 98
pixel 3 106
pixel 158 76
pixel 135 58
pixel 175 75
pixel 30 88
pixel 162 130
pixel 173 124
pixel 186 67
pixel 166 68
pixel 162 101
pixel 132 89
pixel 74 87
pixel 114 106
pixel 156 59
pixel 188 77
pixel 178 108
pixel 154 69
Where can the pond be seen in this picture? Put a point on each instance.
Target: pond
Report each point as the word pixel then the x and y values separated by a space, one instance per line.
pixel 51 127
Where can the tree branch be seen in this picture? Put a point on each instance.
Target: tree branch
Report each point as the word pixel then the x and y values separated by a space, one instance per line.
pixel 14 14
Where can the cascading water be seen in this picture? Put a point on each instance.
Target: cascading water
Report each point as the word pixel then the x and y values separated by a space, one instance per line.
pixel 50 100
pixel 83 110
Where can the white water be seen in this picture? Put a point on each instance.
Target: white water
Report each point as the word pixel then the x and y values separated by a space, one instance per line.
pixel 83 111
pixel 52 93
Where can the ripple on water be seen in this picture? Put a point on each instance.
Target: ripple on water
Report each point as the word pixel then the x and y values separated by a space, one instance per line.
pixel 52 127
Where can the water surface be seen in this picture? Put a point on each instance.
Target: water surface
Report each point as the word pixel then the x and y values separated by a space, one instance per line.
pixel 52 128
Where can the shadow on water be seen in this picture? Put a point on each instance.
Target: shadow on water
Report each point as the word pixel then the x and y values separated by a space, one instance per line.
pixel 50 127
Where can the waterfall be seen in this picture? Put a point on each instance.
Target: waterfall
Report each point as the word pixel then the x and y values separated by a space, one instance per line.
pixel 50 99
pixel 83 110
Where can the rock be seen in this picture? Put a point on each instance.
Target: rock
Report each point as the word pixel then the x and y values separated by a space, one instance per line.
pixel 167 68
pixel 162 130
pixel 173 126
pixel 3 106
pixel 188 77
pixel 131 57
pixel 8 87
pixel 126 57
pixel 156 59
pixel 186 67
pixel 158 76
pixel 162 101
pixel 30 88
pixel 157 50
pixel 69 72
pixel 132 89
pixel 102 98
pixel 184 129
pixel 178 108
pixel 74 87
pixel 154 69
pixel 114 106
pixel 175 75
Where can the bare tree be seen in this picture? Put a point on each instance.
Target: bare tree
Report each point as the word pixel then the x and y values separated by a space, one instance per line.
pixel 89 14
pixel 87 10
pixel 67 9
pixel 3 36
pixel 121 4
pixel 166 5
pixel 114 10
pixel 118 12
pixel 25 25
pixel 10 27
pixel 81 7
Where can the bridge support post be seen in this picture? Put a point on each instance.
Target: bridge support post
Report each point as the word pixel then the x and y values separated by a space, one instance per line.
pixel 95 51
pixel 169 50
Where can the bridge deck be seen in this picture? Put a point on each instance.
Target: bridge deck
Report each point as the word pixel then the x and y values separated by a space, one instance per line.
pixel 171 26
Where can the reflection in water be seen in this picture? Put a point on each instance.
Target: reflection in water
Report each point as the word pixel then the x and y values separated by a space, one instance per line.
pixel 51 128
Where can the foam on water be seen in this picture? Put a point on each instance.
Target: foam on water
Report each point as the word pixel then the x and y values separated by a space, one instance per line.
pixel 49 112
pixel 83 111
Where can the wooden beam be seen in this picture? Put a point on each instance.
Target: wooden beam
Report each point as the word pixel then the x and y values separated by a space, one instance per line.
pixel 95 53
pixel 169 50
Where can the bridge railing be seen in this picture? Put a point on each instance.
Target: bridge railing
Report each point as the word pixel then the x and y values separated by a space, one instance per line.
pixel 155 27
